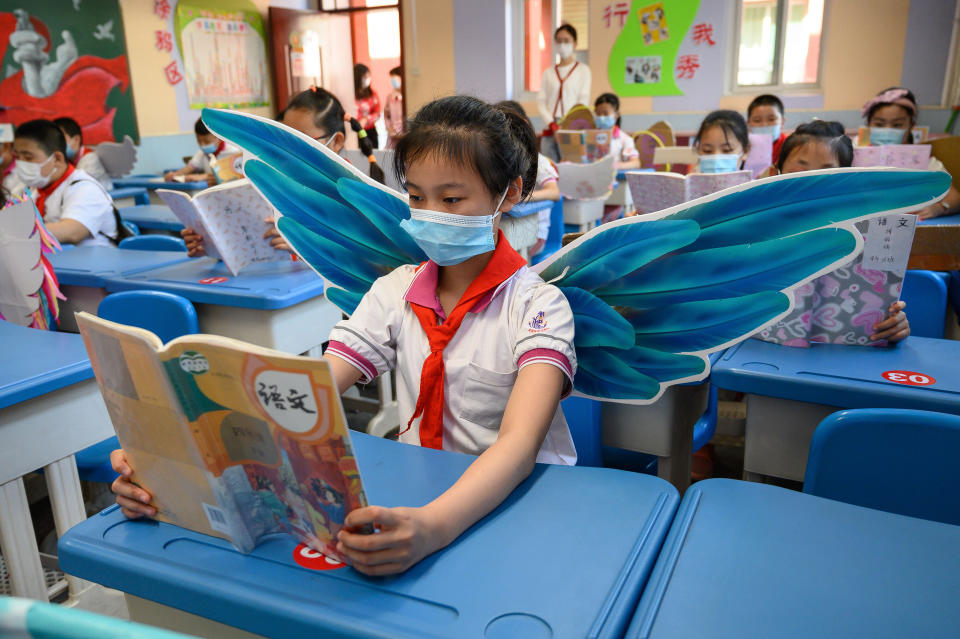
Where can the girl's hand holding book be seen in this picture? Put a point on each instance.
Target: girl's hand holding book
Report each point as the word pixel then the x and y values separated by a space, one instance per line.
pixel 404 537
pixel 134 501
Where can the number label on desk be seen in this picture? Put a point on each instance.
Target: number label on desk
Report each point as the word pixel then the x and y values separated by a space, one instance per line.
pixel 314 559
pixel 213 280
pixel 910 378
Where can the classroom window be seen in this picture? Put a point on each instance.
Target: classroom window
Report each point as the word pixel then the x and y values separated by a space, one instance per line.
pixel 575 13
pixel 779 43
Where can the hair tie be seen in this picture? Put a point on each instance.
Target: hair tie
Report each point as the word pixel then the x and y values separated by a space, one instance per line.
pixel 890 96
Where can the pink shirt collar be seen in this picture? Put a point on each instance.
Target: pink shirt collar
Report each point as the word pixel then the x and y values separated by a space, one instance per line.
pixel 423 291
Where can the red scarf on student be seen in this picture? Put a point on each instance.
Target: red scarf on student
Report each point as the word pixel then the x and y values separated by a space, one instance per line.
pixel 503 264
pixel 42 194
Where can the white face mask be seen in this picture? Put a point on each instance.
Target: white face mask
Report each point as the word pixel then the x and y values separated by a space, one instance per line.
pixel 30 173
pixel 564 49
pixel 365 82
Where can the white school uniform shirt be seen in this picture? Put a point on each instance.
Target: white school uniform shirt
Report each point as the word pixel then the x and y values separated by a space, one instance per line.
pixel 522 322
pixel 83 199
pixel 622 147
pixel 90 164
pixel 200 162
pixel 546 173
pixel 576 90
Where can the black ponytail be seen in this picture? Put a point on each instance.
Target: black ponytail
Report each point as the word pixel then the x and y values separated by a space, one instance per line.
pixel 366 147
pixel 327 111
pixel 497 141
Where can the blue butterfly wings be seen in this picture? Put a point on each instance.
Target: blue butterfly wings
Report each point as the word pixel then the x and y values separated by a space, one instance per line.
pixel 705 275
pixel 651 296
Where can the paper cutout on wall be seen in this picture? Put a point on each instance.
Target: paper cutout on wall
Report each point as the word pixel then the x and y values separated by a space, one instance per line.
pixel 644 58
pixel 28 286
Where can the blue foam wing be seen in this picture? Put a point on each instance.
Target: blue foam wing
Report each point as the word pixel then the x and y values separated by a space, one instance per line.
pixel 343 224
pixel 689 290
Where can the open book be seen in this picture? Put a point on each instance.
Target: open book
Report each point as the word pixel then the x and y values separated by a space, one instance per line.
pixel 841 307
pixel 231 439
pixel 230 218
pixel 901 156
pixel 657 191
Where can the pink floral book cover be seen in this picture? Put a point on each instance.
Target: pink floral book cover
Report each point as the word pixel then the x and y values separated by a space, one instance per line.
pixel 657 191
pixel 901 156
pixel 841 307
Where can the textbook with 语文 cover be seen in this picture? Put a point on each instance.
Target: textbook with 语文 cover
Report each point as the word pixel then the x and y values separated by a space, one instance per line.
pixel 232 440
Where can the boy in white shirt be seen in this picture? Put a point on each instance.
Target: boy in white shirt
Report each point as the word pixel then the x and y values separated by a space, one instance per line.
pixel 82 157
pixel 75 207
pixel 198 169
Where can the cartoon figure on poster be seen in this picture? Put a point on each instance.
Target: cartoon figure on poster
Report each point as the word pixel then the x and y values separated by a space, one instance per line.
pixel 652 296
pixel 63 61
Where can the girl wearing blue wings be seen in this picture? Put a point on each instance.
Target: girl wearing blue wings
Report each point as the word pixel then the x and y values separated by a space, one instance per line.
pixel 483 346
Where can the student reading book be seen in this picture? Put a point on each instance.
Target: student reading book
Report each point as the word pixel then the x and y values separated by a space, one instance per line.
pixel 657 191
pixel 230 218
pixel 231 439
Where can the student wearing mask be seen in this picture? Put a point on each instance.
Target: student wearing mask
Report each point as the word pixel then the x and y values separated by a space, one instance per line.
pixel 75 208
pixel 393 113
pixel 765 116
pixel 564 85
pixel 80 156
pixel 891 115
pixel 198 169
pixel 722 142
pixel 368 102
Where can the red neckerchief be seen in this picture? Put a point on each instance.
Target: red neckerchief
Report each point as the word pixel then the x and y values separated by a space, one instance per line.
pixel 776 146
pixel 502 265
pixel 43 193
pixel 559 102
pixel 220 148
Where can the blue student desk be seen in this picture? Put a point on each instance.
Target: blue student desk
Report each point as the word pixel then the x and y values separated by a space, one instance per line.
pixel 153 182
pixel 948 220
pixel 566 555
pixel 129 196
pixel 83 273
pixel 750 560
pixel 154 217
pixel 50 407
pixel 274 304
pixel 790 390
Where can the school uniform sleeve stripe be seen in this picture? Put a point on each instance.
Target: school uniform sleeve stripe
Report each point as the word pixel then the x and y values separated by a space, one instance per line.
pixel 552 357
pixel 352 357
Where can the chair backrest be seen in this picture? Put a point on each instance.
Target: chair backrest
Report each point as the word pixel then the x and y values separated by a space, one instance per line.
pixel 28 618
pixel 897 460
pixel 133 228
pixel 153 243
pixel 165 314
pixel 925 293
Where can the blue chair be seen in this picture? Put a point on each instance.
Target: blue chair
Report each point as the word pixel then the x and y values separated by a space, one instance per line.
pixel 583 418
pixel 153 243
pixel 897 460
pixel 139 194
pixel 925 293
pixel 130 226
pixel 554 236
pixel 165 314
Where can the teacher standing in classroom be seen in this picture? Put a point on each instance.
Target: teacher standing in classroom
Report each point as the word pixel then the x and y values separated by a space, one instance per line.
pixel 563 85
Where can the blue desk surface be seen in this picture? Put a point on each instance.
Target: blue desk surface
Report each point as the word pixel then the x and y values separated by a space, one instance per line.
pixel 152 216
pixel 268 285
pixel 37 362
pixel 567 553
pixel 846 376
pixel 128 191
pixel 92 265
pixel 151 182
pixel 948 220
pixel 752 560
pixel 529 208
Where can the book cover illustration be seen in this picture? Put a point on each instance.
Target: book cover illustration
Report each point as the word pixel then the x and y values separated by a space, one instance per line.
pixel 231 218
pixel 661 190
pixel 901 156
pixel 232 440
pixel 841 307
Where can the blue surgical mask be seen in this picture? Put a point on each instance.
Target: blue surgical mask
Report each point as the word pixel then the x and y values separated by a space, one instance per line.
pixel 719 163
pixel 209 148
pixel 880 136
pixel 395 82
pixel 773 130
pixel 605 121
pixel 71 153
pixel 448 238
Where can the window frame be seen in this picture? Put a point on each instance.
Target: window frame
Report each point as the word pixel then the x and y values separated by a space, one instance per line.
pixel 733 54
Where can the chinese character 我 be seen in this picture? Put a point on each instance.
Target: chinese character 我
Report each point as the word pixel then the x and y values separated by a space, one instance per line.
pixel 703 32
